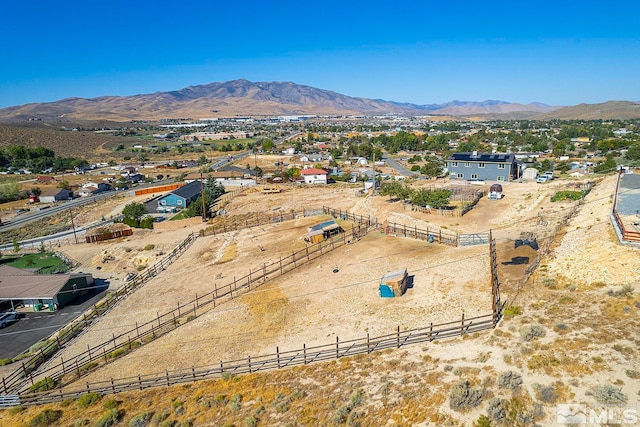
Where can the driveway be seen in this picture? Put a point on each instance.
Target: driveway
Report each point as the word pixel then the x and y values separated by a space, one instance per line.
pixel 34 326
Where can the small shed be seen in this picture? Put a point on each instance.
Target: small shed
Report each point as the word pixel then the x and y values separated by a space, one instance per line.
pixel 393 284
pixel 530 173
pixel 324 230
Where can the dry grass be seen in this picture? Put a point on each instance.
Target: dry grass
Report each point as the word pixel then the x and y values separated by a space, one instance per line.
pixel 230 253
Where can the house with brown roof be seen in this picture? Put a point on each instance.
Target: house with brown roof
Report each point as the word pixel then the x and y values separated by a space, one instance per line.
pixel 52 291
pixel 314 176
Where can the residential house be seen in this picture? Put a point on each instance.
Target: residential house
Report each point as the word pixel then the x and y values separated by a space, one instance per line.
pixel 91 188
pixel 52 195
pixel 314 176
pixel 45 179
pixel 476 166
pixel 179 198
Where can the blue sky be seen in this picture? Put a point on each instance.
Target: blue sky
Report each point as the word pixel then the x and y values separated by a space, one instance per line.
pixel 560 52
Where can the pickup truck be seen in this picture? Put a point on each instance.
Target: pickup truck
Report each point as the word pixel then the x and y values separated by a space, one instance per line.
pixel 8 317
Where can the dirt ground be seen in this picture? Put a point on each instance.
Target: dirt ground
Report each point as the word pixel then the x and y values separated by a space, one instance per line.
pixel 313 303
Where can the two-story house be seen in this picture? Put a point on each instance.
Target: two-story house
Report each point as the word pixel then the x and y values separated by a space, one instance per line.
pixel 476 166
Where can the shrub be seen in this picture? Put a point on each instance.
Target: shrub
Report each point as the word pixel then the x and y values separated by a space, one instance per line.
pixel 111 418
pixel 88 399
pixel 512 310
pixel 141 420
pixel 497 409
pixel 510 380
pixel 624 292
pixel 159 417
pixel 530 332
pixel 5 361
pixel 236 400
pixel 110 404
pixel 16 410
pixel 609 395
pixel 251 421
pixel 149 247
pixel 633 374
pixel 43 385
pixel 462 396
pixel 545 393
pixel 45 418
pixel 483 421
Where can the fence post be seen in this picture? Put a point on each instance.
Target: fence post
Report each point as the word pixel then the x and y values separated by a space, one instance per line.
pixel 278 356
pixel 281 265
pixel 113 387
pixel 264 272
pixel 168 383
pixel 462 325
pixel 221 368
pixel 304 352
pixel 431 331
pixel 398 337
pixel 337 347
pixel 104 352
pixel 139 381
pixel 249 358
pixel 368 351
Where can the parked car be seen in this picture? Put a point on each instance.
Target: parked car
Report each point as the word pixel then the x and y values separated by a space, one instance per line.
pixel 549 175
pixel 8 317
pixel 541 179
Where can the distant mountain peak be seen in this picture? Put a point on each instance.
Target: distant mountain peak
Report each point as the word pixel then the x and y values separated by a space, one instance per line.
pixel 244 97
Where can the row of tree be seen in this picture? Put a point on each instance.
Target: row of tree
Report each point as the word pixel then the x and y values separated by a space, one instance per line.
pixel 398 190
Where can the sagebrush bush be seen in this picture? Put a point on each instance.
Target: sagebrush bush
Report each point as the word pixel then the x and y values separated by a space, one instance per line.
pixel 141 420
pixel 110 418
pixel 497 409
pixel 545 393
pixel 530 332
pixel 510 380
pixel 463 396
pixel 88 399
pixel 45 418
pixel 623 292
pixel 609 395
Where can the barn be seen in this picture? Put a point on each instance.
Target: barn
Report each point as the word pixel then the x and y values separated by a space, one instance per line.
pixel 41 291
pixel 317 233
pixel 393 284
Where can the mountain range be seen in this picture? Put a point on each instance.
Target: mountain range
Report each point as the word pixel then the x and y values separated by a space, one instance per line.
pixel 242 97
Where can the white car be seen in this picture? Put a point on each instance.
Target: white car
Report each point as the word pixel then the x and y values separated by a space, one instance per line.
pixel 8 317
pixel 541 179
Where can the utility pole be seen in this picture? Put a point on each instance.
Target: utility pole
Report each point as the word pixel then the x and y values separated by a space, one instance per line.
pixel 373 191
pixel 73 226
pixel 204 210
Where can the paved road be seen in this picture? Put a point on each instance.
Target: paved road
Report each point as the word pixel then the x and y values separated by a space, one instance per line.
pixel 398 167
pixel 34 326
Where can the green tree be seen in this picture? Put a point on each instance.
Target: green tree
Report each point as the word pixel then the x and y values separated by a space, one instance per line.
pixel 36 191
pixel 16 245
pixel 134 211
pixel 64 184
pixel 395 189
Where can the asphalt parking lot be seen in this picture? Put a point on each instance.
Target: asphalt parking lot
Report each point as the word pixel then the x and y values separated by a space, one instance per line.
pixel 629 195
pixel 31 327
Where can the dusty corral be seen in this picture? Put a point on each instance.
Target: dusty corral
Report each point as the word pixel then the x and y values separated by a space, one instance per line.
pixel 567 331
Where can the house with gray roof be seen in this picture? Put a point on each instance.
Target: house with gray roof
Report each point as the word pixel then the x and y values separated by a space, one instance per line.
pixel 180 198
pixel 474 166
